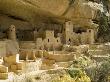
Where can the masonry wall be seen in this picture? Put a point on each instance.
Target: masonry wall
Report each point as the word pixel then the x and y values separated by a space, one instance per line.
pixel 71 38
pixel 39 44
pixel 2 48
pixel 91 36
pixel 50 42
pixel 12 32
pixel 25 35
pixel 67 32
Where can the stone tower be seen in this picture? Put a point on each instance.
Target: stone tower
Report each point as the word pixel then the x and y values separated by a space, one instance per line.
pixel 91 37
pixel 12 33
pixel 67 32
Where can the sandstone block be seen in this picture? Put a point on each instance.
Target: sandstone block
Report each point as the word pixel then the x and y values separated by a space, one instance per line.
pixel 3 69
pixel 47 67
pixel 13 67
pixel 48 62
pixel 61 57
pixel 12 59
pixel 19 66
pixel 3 76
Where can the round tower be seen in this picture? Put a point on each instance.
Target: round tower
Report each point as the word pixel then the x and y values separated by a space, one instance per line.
pixel 12 33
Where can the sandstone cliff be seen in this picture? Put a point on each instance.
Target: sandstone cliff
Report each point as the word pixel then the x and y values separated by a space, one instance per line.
pixel 81 12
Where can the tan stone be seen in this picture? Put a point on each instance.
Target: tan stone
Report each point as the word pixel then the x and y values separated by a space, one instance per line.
pixel 19 66
pixel 48 62
pixel 72 38
pixel 12 33
pixel 12 59
pixel 64 64
pixel 3 69
pixel 2 48
pixel 40 53
pixel 45 53
pixel 60 57
pixel 47 67
pixel 17 71
pixel 50 42
pixel 22 54
pixel 39 43
pixel 1 60
pixel 12 47
pixel 91 36
pixel 27 45
pixel 3 76
pixel 13 67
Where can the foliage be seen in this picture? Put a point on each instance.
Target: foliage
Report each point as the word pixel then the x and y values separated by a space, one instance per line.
pixel 75 72
pixel 64 78
pixel 81 62
pixel 100 72
pixel 104 29
pixel 104 71
pixel 81 77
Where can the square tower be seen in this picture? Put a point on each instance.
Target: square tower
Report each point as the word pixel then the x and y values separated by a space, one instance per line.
pixel 67 32
pixel 68 26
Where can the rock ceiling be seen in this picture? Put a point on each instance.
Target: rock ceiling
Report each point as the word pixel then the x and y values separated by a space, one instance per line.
pixel 33 12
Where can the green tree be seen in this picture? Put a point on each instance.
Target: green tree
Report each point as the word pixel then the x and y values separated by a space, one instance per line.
pixel 104 29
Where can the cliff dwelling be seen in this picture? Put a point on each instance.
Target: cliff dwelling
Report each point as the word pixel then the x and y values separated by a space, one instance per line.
pixel 54 41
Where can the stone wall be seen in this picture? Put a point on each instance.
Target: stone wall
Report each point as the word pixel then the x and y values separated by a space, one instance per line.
pixel 50 42
pixel 12 47
pixel 2 48
pixel 8 47
pixel 25 35
pixel 27 45
pixel 39 43
pixel 3 72
pixel 73 38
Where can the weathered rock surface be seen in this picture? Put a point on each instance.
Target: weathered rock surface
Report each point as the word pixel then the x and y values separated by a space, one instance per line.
pixel 28 13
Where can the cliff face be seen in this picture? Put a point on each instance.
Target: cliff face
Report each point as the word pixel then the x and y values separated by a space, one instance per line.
pixel 33 12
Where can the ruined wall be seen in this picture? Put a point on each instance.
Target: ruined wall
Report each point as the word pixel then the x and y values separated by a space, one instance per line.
pixel 9 47
pixel 50 42
pixel 2 48
pixel 27 45
pixel 39 44
pixel 12 47
pixel 79 37
pixel 25 35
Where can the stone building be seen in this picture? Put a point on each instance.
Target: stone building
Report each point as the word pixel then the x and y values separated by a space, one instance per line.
pixel 67 33
pixel 50 42
pixel 70 37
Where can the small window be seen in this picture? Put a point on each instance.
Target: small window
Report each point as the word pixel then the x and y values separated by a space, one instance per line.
pixel 69 39
pixel 37 30
pixel 64 29
pixel 17 36
pixel 57 40
pixel 48 40
pixel 69 23
pixel 89 30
